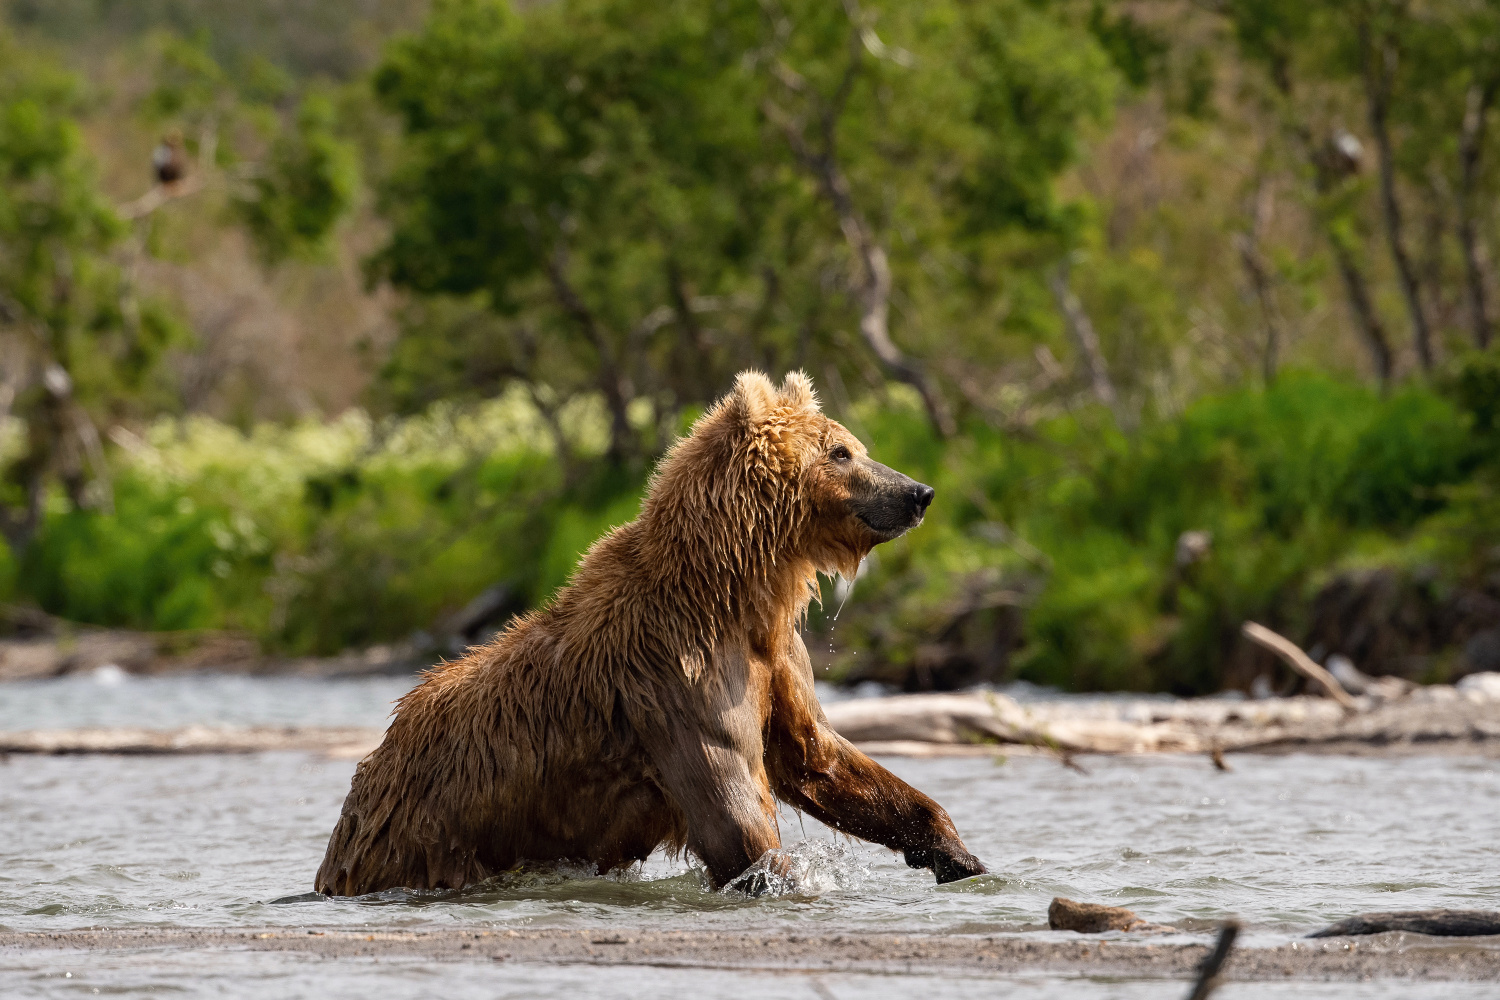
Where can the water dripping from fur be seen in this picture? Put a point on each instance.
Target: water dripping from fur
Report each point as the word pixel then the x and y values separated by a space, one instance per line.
pixel 843 589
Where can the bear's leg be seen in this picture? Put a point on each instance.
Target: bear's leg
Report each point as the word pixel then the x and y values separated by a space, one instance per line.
pixel 728 807
pixel 827 777
pixel 816 770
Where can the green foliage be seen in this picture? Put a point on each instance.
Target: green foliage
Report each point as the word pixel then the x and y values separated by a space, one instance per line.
pixel 1473 384
pixel 49 208
pixel 293 174
pixel 1136 50
pixel 317 538
pixel 595 212
pixel 1417 446
pixel 308 183
pixel 1082 527
pixel 190 83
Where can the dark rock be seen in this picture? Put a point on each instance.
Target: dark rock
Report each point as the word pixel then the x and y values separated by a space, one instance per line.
pixel 1439 923
pixel 1408 624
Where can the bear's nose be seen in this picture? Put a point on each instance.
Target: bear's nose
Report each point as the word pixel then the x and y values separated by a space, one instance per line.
pixel 923 496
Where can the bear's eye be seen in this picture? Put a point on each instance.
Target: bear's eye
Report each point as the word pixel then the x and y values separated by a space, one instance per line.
pixel 840 454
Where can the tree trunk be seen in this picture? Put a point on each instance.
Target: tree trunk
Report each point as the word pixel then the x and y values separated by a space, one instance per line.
pixel 1470 147
pixel 1366 319
pixel 875 289
pixel 1365 316
pixel 1380 68
pixel 18 525
pixel 612 382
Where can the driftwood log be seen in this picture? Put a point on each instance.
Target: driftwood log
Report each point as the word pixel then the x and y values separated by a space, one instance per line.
pixel 1439 923
pixel 977 723
pixel 340 741
pixel 987 722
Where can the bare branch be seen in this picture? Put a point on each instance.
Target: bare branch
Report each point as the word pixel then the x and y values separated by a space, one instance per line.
pixel 1363 307
pixel 611 380
pixel 1366 319
pixel 875 271
pixel 158 196
pixel 1262 279
pixel 1292 655
pixel 1213 962
pixel 1081 329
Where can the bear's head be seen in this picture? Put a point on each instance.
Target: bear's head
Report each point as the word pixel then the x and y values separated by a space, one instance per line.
pixel 766 485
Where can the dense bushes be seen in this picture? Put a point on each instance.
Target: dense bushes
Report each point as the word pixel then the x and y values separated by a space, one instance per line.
pixel 1050 555
pixel 1079 528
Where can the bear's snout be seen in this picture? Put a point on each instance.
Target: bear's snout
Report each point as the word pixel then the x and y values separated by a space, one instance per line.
pixel 888 502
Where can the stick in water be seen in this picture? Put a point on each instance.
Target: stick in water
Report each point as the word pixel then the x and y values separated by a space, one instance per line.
pixel 1208 972
pixel 1291 654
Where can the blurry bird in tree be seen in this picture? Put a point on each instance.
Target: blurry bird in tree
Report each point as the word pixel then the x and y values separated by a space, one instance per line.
pixel 1341 156
pixel 169 159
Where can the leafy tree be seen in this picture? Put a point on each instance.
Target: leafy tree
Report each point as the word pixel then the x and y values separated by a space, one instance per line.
pixel 76 341
pixel 1419 82
pixel 652 196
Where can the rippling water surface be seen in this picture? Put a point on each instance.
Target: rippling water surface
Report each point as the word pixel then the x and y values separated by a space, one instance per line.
pixel 1286 843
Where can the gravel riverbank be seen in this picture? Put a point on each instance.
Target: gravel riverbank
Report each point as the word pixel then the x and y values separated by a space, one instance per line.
pixel 1385 956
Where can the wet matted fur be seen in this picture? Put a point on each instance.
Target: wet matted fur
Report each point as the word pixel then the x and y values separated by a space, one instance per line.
pixel 665 696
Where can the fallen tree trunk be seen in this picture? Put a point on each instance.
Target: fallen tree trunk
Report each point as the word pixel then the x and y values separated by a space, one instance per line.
pixel 967 723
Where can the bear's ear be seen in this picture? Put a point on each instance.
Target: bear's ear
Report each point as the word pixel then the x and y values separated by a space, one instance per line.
pixel 797 392
pixel 753 398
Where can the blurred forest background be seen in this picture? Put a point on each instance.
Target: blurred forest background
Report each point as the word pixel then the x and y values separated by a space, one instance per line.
pixel 319 318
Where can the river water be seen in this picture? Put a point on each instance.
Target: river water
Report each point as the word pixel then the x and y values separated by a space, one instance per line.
pixel 1286 843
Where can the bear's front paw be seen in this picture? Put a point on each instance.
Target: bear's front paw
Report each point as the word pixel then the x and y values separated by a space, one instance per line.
pixel 950 867
pixel 948 864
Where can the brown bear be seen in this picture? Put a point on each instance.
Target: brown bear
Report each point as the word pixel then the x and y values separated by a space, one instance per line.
pixel 664 697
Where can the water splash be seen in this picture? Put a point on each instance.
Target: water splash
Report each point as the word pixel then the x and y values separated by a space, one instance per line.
pixel 808 868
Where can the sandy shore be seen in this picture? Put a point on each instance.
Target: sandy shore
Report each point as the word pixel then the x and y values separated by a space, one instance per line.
pixel 1384 956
